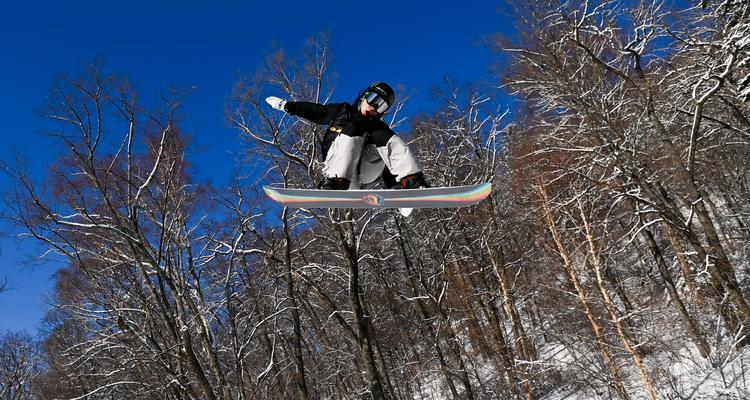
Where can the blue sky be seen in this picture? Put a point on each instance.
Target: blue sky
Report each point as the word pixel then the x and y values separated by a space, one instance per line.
pixel 209 45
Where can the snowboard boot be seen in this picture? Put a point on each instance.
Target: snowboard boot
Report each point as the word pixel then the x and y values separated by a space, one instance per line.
pixel 334 184
pixel 414 181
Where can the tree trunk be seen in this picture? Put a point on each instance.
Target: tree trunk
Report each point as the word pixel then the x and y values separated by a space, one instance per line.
pixel 596 260
pixel 349 249
pixel 299 376
pixel 690 324
pixel 679 252
pixel 573 278
pixel 423 308
pixel 506 356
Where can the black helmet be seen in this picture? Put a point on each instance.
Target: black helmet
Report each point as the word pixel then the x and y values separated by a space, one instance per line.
pixel 383 91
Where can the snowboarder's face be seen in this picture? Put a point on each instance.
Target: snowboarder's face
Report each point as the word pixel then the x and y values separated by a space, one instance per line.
pixel 366 109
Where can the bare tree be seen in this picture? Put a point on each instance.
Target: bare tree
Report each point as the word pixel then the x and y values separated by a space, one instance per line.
pixel 20 364
pixel 142 318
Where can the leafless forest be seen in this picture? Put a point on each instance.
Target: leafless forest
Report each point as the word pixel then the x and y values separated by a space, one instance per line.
pixel 610 261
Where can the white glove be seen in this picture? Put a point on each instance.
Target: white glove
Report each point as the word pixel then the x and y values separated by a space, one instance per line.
pixel 276 103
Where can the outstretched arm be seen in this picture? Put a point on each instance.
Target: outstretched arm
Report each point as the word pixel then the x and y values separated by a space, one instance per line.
pixel 313 112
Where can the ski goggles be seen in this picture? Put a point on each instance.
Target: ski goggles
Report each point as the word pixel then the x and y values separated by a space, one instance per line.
pixel 377 102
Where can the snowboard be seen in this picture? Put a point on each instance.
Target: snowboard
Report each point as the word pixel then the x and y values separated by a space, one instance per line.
pixel 403 199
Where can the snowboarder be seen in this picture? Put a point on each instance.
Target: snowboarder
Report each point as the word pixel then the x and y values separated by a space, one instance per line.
pixel 358 147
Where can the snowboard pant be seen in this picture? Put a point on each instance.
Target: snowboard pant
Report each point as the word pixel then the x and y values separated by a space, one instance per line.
pixel 362 163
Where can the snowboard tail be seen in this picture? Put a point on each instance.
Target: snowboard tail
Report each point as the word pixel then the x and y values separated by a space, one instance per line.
pixel 455 196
